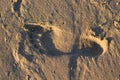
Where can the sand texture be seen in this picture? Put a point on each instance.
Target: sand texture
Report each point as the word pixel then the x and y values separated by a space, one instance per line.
pixel 59 39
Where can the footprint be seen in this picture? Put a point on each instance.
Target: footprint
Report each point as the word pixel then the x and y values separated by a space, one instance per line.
pixel 41 40
pixel 92 46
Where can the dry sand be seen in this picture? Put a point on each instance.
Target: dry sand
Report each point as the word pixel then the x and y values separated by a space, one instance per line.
pixel 59 39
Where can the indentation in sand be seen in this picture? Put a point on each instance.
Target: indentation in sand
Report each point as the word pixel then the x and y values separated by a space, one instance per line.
pixel 49 39
pixel 93 46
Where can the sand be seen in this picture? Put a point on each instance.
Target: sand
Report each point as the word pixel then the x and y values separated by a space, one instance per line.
pixel 59 40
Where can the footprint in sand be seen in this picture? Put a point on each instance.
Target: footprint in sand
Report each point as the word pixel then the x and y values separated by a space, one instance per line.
pixel 49 39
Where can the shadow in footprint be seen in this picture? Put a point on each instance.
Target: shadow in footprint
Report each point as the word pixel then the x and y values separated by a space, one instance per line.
pixel 93 50
pixel 22 47
pixel 34 32
pixel 88 48
pixel 48 44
